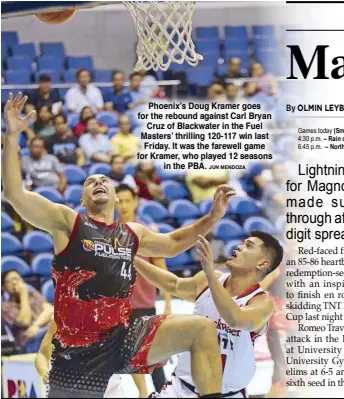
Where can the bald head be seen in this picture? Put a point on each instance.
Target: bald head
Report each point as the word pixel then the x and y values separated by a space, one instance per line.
pixel 99 192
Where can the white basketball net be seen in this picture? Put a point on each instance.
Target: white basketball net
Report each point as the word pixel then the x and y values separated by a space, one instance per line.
pixel 164 32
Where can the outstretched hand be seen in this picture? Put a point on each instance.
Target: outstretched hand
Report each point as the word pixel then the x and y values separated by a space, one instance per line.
pixel 206 256
pixel 221 198
pixel 13 108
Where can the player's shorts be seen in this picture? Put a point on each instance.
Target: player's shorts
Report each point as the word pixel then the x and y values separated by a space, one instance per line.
pixel 176 388
pixel 84 372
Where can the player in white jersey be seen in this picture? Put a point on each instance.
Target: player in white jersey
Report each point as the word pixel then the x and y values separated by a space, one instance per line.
pixel 235 302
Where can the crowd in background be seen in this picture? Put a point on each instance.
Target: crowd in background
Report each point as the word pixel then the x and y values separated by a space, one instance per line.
pixel 52 141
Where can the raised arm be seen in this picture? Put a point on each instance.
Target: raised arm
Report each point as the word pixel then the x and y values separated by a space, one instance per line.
pixel 172 244
pixel 35 209
pixel 184 288
pixel 251 317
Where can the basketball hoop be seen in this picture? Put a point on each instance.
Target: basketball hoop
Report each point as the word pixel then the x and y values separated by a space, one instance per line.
pixel 164 32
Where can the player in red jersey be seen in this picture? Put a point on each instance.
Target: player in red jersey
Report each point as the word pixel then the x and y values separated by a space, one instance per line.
pixel 94 276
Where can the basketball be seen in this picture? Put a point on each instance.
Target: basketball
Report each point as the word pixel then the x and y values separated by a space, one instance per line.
pixel 57 17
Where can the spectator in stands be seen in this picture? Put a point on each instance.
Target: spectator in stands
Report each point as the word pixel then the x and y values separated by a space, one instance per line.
pixel 44 124
pixel 249 90
pixel 145 294
pixel 96 146
pixel 63 144
pixel 148 182
pixel 117 174
pixel 42 169
pixel 216 92
pixel 138 94
pixel 233 70
pixel 202 184
pixel 84 93
pixel 43 95
pixel 118 99
pixel 274 194
pixel 267 83
pixel 149 84
pixel 126 143
pixel 23 310
pixel 232 92
pixel 80 128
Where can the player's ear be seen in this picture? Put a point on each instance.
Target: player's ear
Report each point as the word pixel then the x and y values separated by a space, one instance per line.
pixel 82 202
pixel 263 264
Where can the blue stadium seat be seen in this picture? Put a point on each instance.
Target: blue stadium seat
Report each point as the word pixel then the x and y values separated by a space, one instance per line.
pixel 205 206
pixel 24 50
pixel 55 49
pixel 236 32
pixel 258 223
pixel 165 228
pixel 179 261
pixel 100 169
pixel 228 230
pixel 174 190
pixel 103 76
pixel 183 209
pixel 63 91
pixel 210 59
pixel 38 241
pixel 263 30
pixel 112 131
pixel 73 194
pixel 72 119
pixel 48 291
pixel 129 169
pixel 25 152
pixel 54 74
pixel 10 244
pixel 107 118
pixel 244 206
pixel 230 247
pixel 80 209
pixel 280 224
pixel 7 223
pixel 146 219
pixel 70 76
pixel 41 264
pixel 167 174
pixel 13 262
pixel 50 62
pixel 3 125
pixel 18 77
pixel 51 193
pixel 9 37
pixel 153 209
pixel 201 76
pixel 80 62
pixel 207 32
pixel 19 63
pixel 207 45
pixel 74 174
pixel 187 222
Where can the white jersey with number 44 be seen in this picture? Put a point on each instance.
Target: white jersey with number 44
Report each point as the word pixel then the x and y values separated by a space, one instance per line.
pixel 237 346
